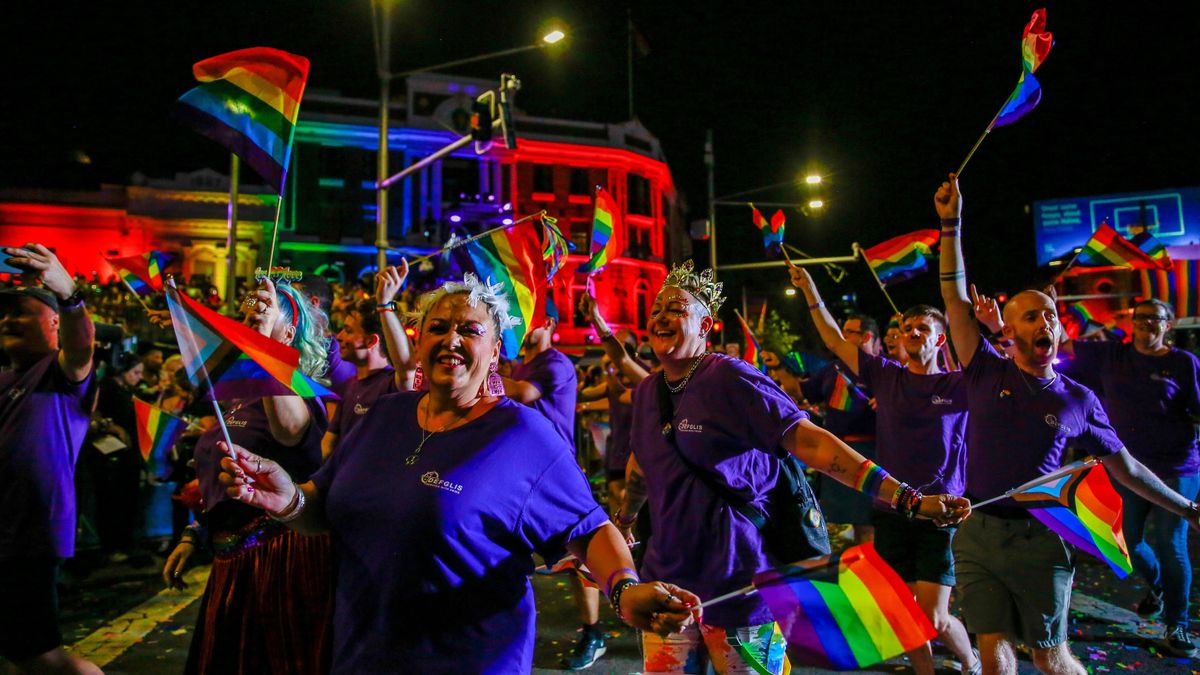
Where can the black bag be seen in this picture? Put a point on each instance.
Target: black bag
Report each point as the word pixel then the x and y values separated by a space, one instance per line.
pixel 792 527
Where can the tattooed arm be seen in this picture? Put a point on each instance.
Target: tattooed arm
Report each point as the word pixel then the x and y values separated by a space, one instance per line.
pixel 635 498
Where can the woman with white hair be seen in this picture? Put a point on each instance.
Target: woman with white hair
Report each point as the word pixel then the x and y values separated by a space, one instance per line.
pixel 435 502
pixel 268 604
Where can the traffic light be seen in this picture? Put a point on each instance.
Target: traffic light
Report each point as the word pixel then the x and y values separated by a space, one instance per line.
pixel 481 120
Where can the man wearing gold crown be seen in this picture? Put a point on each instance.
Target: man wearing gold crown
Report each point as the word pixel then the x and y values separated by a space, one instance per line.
pixel 708 431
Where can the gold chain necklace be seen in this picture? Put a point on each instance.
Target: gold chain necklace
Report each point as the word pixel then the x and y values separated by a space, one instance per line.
pixel 683 383
pixel 426 435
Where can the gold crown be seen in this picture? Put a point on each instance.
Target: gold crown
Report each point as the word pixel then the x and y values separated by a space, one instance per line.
pixel 701 285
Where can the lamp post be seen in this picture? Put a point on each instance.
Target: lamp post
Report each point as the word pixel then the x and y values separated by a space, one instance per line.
pixel 382 59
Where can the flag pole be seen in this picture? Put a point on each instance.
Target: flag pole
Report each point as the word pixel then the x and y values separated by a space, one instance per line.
pixel 806 566
pixel 476 237
pixel 139 298
pixel 858 249
pixel 1040 480
pixel 991 125
pixel 275 233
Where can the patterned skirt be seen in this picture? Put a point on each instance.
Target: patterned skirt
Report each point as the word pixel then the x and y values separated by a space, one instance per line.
pixel 268 606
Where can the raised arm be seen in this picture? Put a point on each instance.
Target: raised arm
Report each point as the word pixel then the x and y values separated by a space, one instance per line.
pixel 964 332
pixel 388 283
pixel 76 333
pixel 831 335
pixel 611 345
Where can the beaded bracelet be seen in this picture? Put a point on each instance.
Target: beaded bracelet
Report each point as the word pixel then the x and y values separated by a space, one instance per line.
pixel 614 595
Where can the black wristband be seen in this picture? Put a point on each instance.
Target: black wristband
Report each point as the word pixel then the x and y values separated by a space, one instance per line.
pixel 951 222
pixel 72 301
pixel 614 594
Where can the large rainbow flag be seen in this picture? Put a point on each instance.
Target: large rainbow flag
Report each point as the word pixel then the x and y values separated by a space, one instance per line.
pixel 772 232
pixel 142 273
pixel 227 360
pixel 1035 46
pixel 157 431
pixel 512 257
pixel 248 102
pixel 1177 287
pixel 849 613
pixel 607 234
pixel 902 257
pixel 845 396
pixel 751 353
pixel 1107 248
pixel 1083 508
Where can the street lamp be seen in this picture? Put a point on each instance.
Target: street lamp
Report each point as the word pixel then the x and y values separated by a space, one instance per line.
pixel 553 36
pixel 812 179
pixel 816 204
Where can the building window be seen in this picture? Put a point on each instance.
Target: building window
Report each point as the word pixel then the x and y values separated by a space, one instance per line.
pixel 638 196
pixel 543 178
pixel 580 185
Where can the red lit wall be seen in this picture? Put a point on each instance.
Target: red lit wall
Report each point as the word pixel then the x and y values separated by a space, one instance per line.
pixel 81 236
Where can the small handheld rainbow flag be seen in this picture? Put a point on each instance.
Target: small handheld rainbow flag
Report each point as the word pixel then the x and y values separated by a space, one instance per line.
pixel 225 359
pixel 142 273
pixel 772 232
pixel 606 233
pixel 1152 247
pixel 157 432
pixel 751 353
pixel 1035 46
pixel 849 613
pixel 512 257
pixel 845 396
pixel 1107 248
pixel 902 257
pixel 249 101
pixel 1178 287
pixel 1082 507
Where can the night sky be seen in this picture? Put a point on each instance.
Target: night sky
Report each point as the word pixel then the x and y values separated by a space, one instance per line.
pixel 882 98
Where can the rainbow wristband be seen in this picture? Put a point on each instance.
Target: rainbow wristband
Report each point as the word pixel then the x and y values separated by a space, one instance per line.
pixel 870 478
pixel 609 584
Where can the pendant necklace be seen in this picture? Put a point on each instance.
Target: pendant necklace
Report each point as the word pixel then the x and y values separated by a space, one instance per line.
pixel 1032 391
pixel 425 436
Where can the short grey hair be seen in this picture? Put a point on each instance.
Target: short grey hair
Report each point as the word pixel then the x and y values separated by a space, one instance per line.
pixel 490 294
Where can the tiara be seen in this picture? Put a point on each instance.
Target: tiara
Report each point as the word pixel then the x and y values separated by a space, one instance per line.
pixel 701 285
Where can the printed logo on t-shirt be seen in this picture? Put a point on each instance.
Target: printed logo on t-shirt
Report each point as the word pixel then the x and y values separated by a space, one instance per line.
pixel 235 422
pixel 360 409
pixel 1164 376
pixel 690 428
pixel 938 400
pixel 432 479
pixel 1052 421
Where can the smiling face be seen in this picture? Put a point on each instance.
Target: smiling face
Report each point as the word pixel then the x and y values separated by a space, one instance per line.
pixel 355 342
pixel 679 324
pixel 457 344
pixel 1031 321
pixel 1152 320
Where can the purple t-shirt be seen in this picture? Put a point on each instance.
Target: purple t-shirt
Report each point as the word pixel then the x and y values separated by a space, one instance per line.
pixel 246 420
pixel 358 398
pixel 1020 425
pixel 433 558
pixel 858 421
pixel 729 421
pixel 43 419
pixel 554 376
pixel 921 424
pixel 620 422
pixel 341 373
pixel 1151 401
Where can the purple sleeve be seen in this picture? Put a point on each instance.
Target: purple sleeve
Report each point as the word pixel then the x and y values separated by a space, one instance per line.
pixel 769 413
pixel 559 508
pixel 1099 436
pixel 1193 387
pixel 986 360
pixel 871 368
pixel 340 372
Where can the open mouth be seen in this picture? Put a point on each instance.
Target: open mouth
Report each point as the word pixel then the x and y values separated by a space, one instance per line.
pixel 451 361
pixel 664 334
pixel 1043 345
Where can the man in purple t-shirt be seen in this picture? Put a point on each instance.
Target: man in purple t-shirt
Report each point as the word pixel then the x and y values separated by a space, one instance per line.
pixel 921 424
pixel 361 342
pixel 46 397
pixel 1014 574
pixel 1151 392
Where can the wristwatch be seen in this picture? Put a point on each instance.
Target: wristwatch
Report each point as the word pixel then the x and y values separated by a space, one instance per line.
pixel 1192 512
pixel 72 301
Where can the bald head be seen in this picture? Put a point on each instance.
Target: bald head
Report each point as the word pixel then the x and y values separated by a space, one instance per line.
pixel 1031 321
pixel 1026 301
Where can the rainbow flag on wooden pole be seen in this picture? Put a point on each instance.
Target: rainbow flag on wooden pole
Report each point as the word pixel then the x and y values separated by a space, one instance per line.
pixel 511 256
pixel 141 274
pixel 752 354
pixel 772 232
pixel 845 612
pixel 1107 248
pixel 157 431
pixel 607 233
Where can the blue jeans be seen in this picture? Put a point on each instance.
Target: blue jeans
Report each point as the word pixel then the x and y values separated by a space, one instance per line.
pixel 1163 559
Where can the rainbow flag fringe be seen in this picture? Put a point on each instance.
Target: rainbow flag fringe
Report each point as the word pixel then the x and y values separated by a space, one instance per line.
pixel 512 257
pixel 851 613
pixel 249 101
pixel 1083 508
pixel 902 257
pixel 225 359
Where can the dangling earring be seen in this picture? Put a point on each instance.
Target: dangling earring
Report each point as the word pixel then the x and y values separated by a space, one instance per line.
pixel 495 384
pixel 419 379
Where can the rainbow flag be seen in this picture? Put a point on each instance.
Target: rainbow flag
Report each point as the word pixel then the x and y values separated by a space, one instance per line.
pixel 1035 46
pixel 248 102
pixel 751 353
pixel 606 233
pixel 1177 287
pixel 142 273
pixel 902 257
pixel 845 396
pixel 512 257
pixel 1152 247
pixel 772 233
pixel 227 360
pixel 851 612
pixel 1083 508
pixel 1107 248
pixel 157 432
